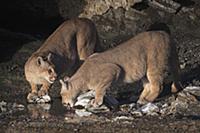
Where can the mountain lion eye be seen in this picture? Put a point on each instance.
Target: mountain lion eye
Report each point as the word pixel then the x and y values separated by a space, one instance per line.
pixel 50 71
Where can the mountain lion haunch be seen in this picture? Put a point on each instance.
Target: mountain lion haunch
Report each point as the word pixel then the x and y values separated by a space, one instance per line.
pixel 147 57
pixel 74 40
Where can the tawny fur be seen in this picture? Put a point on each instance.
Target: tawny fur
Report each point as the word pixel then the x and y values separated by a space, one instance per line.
pixel 147 57
pixel 74 40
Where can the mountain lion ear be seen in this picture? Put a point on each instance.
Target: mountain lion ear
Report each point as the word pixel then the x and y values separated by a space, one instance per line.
pixel 49 56
pixel 63 86
pixel 62 82
pixel 66 78
pixel 40 60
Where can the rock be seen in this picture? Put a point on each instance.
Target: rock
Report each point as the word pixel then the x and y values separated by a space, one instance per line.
pixel 118 25
pixel 83 102
pixel 149 109
pixel 40 100
pixel 18 106
pixel 100 109
pixel 82 112
pixel 165 105
pixel 86 109
pixel 181 102
pixel 167 111
pixel 122 118
pixel 186 97
pixel 176 106
pixel 137 113
pixel 132 105
pixel 46 98
pixel 87 95
pixel 128 107
pixel 195 90
pixel 3 103
pixel 99 7
pixel 33 98
pixel 85 99
pixel 3 106
pixel 66 118
pixel 10 107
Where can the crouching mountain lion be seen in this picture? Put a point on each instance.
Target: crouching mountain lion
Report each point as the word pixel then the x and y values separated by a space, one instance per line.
pixel 74 40
pixel 145 57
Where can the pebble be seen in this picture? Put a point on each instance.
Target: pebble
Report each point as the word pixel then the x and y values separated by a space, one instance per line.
pixel 3 103
pixel 195 90
pixel 66 118
pixel 36 99
pixel 88 95
pixel 100 109
pixel 149 108
pixel 85 99
pixel 18 106
pixel 122 118
pixel 3 106
pixel 32 98
pixel 137 113
pixel 82 112
pixel 46 98
pixel 82 102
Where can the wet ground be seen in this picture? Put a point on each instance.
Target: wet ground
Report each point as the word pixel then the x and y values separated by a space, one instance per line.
pixel 171 113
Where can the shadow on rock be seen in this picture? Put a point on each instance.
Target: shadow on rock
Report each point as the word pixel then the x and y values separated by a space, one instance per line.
pixel 11 42
pixel 159 26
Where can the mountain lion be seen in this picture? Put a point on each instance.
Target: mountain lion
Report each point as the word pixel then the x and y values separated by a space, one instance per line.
pixel 147 57
pixel 74 40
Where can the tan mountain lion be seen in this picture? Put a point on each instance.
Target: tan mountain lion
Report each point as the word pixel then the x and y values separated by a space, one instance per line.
pixel 145 57
pixel 72 41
